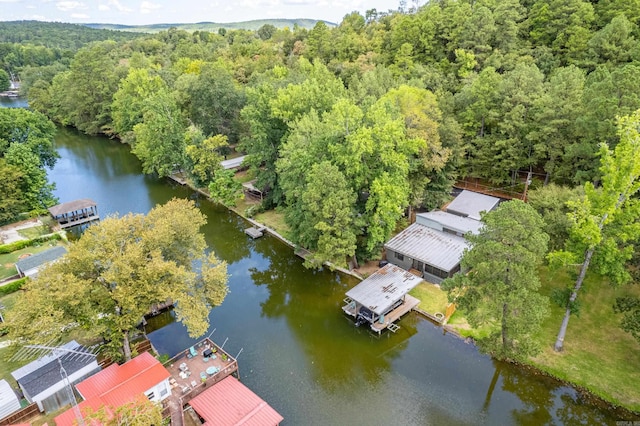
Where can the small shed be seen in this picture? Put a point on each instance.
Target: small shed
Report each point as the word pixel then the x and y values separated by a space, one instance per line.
pixel 470 204
pixel 230 403
pixel 30 266
pixel 74 213
pixel 251 191
pixel 382 298
pixel 42 381
pixel 9 401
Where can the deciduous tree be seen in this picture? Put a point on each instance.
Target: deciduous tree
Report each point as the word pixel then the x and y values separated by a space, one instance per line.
pixel 119 268
pixel 604 220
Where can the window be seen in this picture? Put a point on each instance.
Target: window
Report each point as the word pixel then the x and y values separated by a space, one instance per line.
pixel 399 256
pixel 151 396
pixel 163 390
pixel 435 271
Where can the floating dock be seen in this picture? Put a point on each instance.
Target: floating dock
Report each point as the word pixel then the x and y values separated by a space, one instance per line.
pixel 254 232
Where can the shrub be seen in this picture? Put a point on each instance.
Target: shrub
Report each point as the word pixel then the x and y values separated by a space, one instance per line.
pixel 12 287
pixel 11 247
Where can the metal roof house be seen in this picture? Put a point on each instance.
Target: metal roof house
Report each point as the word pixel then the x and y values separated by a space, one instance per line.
pixel 230 403
pixel 42 382
pixel 449 223
pixel 118 385
pixel 470 204
pixel 30 266
pixel 434 254
pixel 382 298
pixel 9 401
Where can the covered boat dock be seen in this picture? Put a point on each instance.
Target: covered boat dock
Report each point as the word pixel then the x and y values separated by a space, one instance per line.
pixel 75 213
pixel 382 299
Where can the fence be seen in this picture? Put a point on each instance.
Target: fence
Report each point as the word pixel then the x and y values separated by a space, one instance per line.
pixel 21 416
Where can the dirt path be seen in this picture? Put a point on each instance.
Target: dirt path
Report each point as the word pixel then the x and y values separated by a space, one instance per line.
pixel 9 233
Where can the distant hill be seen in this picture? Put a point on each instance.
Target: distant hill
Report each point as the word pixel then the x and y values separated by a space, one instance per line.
pixel 57 34
pixel 213 26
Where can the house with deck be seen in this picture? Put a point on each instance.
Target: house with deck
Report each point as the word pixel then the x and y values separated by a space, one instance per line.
pixel 44 381
pixel 382 298
pixel 30 266
pixel 433 246
pixel 118 385
pixel 75 213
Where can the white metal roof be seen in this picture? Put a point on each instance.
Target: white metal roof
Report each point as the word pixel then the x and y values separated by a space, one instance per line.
pixel 232 163
pixel 9 402
pixel 452 221
pixel 470 204
pixel 383 288
pixel 428 245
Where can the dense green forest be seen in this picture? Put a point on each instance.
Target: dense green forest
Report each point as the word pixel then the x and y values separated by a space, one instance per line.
pixel 389 108
pixel 349 129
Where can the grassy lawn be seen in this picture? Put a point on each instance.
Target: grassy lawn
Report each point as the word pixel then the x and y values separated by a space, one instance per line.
pixel 432 299
pixel 597 354
pixel 34 231
pixel 7 261
pixel 275 221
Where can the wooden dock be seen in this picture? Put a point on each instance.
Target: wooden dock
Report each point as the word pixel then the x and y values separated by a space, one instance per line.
pixel 410 302
pixel 254 232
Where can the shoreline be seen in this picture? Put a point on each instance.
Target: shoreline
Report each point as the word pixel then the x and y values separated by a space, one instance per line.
pixel 585 393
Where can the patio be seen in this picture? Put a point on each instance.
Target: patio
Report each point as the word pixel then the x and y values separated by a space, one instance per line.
pixel 192 371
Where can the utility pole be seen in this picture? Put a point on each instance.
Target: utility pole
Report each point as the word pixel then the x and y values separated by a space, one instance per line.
pixel 526 185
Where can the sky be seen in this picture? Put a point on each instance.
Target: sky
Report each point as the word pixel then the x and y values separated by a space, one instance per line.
pixel 140 12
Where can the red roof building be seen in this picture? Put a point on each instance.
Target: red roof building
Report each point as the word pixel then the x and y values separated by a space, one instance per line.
pixel 118 385
pixel 230 403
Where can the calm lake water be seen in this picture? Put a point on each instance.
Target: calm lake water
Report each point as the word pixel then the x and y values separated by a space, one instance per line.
pixel 299 352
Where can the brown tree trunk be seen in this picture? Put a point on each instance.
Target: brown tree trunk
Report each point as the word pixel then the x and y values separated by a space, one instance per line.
pixel 126 346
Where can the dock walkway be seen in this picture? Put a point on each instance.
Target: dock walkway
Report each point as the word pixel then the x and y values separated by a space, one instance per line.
pixel 410 302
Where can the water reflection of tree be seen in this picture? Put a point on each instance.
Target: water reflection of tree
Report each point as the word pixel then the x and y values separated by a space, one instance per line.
pixel 545 400
pixel 338 353
pixel 224 233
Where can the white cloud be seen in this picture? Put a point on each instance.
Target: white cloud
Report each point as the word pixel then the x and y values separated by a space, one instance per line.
pixel 103 8
pixel 65 6
pixel 79 16
pixel 148 7
pixel 120 6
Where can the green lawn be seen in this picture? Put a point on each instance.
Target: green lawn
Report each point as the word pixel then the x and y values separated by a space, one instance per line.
pixel 275 221
pixel 7 261
pixel 432 299
pixel 35 231
pixel 598 355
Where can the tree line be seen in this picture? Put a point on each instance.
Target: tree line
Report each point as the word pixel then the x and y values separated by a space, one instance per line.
pixel 348 128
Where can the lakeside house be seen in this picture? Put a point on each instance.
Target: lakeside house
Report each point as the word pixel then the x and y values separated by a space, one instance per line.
pixel 433 246
pixel 43 381
pixel 118 385
pixel 30 266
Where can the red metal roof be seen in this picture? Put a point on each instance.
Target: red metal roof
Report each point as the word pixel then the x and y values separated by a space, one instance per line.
pixel 230 403
pixel 117 385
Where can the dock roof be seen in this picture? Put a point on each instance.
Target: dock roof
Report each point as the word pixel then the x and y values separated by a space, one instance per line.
pixel 384 288
pixel 452 221
pixel 428 245
pixel 230 403
pixel 470 204
pixel 71 206
pixel 41 258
